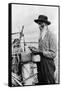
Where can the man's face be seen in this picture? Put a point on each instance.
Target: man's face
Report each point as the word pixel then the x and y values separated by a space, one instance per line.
pixel 41 26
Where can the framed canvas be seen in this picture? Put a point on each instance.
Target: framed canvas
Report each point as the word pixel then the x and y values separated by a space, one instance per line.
pixel 34 44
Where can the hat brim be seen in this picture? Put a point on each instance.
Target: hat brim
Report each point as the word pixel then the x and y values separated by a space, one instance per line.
pixel 39 21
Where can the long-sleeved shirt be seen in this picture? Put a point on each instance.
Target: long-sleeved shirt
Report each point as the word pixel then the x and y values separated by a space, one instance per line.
pixel 48 45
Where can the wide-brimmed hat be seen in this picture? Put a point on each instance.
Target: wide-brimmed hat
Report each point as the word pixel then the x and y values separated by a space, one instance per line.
pixel 42 18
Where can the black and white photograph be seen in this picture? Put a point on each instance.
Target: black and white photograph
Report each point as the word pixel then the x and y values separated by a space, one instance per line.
pixel 34 44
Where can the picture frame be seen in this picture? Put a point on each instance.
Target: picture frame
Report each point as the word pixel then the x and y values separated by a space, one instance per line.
pixel 23 38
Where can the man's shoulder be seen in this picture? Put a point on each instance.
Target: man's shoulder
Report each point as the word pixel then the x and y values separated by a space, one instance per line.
pixel 52 37
pixel 50 34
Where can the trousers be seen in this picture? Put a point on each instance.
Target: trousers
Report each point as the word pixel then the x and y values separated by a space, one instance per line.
pixel 46 69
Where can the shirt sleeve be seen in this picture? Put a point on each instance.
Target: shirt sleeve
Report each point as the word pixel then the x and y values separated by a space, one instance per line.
pixel 52 44
pixel 52 47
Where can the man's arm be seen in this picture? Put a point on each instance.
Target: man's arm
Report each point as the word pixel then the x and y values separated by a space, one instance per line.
pixel 51 53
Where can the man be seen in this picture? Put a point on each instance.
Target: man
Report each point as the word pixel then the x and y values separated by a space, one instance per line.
pixel 47 52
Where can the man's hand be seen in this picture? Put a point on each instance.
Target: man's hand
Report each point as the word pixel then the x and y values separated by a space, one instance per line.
pixel 49 54
pixel 45 52
pixel 34 50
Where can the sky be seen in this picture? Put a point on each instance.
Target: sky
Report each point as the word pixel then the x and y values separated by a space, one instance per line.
pixel 25 15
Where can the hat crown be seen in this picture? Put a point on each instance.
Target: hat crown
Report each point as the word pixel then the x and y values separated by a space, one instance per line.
pixel 43 17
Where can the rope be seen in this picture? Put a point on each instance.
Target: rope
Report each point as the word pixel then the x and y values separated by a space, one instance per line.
pixel 17 81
